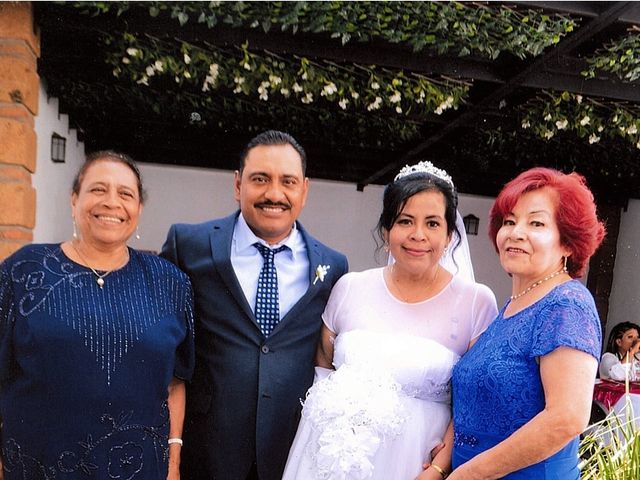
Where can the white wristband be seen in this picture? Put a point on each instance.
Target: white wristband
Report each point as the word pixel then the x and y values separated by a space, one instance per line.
pixel 175 440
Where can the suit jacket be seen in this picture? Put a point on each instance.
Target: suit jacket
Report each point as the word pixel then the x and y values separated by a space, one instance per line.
pixel 243 403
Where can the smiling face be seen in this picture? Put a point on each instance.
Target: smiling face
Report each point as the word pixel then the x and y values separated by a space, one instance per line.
pixel 529 240
pixel 419 236
pixel 271 190
pixel 107 206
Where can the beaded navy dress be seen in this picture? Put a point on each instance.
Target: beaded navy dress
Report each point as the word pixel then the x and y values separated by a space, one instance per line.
pixel 497 386
pixel 84 370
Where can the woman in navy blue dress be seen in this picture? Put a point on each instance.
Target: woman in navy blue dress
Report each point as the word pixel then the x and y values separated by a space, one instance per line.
pixel 523 392
pixel 96 340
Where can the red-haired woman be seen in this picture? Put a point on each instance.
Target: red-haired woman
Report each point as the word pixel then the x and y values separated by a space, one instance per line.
pixel 522 394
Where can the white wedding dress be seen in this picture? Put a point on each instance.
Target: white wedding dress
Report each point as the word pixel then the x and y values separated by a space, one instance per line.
pixel 387 404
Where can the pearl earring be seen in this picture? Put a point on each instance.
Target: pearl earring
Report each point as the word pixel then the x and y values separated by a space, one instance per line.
pixel 75 229
pixel 137 233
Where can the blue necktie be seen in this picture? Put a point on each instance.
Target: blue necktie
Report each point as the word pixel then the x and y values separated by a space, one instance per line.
pixel 267 309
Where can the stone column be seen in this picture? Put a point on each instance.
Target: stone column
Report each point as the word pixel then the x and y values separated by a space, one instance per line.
pixel 19 84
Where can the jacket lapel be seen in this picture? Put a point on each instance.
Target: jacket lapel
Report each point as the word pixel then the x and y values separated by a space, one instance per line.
pixel 220 238
pixel 315 258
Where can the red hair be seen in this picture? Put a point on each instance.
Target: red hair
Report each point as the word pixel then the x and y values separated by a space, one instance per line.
pixel 578 224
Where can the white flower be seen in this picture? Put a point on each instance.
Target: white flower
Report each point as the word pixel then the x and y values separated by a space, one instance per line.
pixel 562 124
pixel 304 76
pixel 579 98
pixel 126 60
pixel 214 69
pixel 238 89
pixel 355 95
pixel 150 71
pixel 297 88
pixel 238 80
pixel 615 119
pixel 622 129
pixel 262 90
pixel 547 117
pixel 132 52
pixel 398 109
pixel 593 138
pixel 208 83
pixel 187 74
pixel 247 66
pixel 159 66
pixel 375 105
pixel 585 120
pixel 632 129
pixel 548 134
pixel 275 80
pixel 526 124
pixel 177 79
pixel 308 98
pixel 343 103
pixel 600 128
pixel 187 58
pixel 328 90
pixel 375 86
pixel 321 272
pixel 448 103
pixel 396 97
pixel 143 81
pixel 285 92
pixel 502 104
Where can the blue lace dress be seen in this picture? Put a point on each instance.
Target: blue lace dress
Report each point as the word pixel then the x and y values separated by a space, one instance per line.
pixel 84 371
pixel 497 386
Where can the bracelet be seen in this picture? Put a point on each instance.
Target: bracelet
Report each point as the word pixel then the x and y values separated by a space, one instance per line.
pixel 439 470
pixel 175 440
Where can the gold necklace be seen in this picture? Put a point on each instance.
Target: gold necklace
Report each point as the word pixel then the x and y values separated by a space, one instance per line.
pixel 539 282
pixel 395 281
pixel 99 277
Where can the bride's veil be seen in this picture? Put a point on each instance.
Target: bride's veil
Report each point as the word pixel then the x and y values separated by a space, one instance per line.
pixel 457 260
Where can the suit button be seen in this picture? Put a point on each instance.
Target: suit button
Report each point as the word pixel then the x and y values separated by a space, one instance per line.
pixel 264 349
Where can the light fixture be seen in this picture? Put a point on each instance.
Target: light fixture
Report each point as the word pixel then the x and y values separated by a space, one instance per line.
pixel 471 223
pixel 58 147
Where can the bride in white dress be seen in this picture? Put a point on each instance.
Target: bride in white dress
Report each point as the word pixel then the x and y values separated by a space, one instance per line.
pixel 393 335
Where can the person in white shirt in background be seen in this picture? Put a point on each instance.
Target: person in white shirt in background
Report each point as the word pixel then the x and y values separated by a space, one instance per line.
pixel 621 353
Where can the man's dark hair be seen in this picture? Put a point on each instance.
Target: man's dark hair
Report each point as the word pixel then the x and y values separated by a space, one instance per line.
pixel 274 137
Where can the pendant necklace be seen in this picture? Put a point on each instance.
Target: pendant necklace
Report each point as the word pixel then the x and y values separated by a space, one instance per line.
pixel 539 282
pixel 99 277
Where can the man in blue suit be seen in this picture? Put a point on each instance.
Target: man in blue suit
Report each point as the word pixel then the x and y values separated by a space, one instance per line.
pixel 243 404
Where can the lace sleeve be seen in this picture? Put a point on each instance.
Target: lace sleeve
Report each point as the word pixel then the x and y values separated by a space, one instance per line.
pixel 569 320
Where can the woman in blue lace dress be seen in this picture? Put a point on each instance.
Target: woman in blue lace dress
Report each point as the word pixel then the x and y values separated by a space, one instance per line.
pixel 523 392
pixel 96 340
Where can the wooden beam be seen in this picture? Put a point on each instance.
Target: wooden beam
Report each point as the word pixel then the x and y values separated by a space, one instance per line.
pixel 569 43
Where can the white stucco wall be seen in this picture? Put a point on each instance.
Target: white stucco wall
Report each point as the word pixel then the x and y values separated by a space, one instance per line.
pixel 336 213
pixel 624 302
pixel 52 181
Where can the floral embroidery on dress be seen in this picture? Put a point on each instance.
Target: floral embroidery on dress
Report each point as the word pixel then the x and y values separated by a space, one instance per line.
pixel 125 460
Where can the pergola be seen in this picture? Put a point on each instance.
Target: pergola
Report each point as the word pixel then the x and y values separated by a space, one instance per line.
pixel 484 90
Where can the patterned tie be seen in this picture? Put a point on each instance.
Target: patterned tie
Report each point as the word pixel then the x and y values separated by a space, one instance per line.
pixel 267 309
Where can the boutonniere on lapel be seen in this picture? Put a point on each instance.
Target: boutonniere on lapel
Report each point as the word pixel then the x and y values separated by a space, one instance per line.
pixel 321 272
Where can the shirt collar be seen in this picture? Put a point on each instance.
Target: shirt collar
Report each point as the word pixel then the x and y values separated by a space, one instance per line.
pixel 244 238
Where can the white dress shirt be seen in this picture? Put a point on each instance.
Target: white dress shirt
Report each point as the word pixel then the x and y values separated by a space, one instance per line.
pixel 292 265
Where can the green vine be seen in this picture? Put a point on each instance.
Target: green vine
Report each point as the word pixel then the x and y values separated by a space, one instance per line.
pixel 621 58
pixel 448 27
pixel 553 113
pixel 267 77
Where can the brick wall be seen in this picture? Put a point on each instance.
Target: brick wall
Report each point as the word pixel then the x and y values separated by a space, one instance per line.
pixel 19 85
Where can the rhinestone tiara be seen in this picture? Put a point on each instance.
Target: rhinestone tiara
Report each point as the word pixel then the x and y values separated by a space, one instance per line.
pixel 424 167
